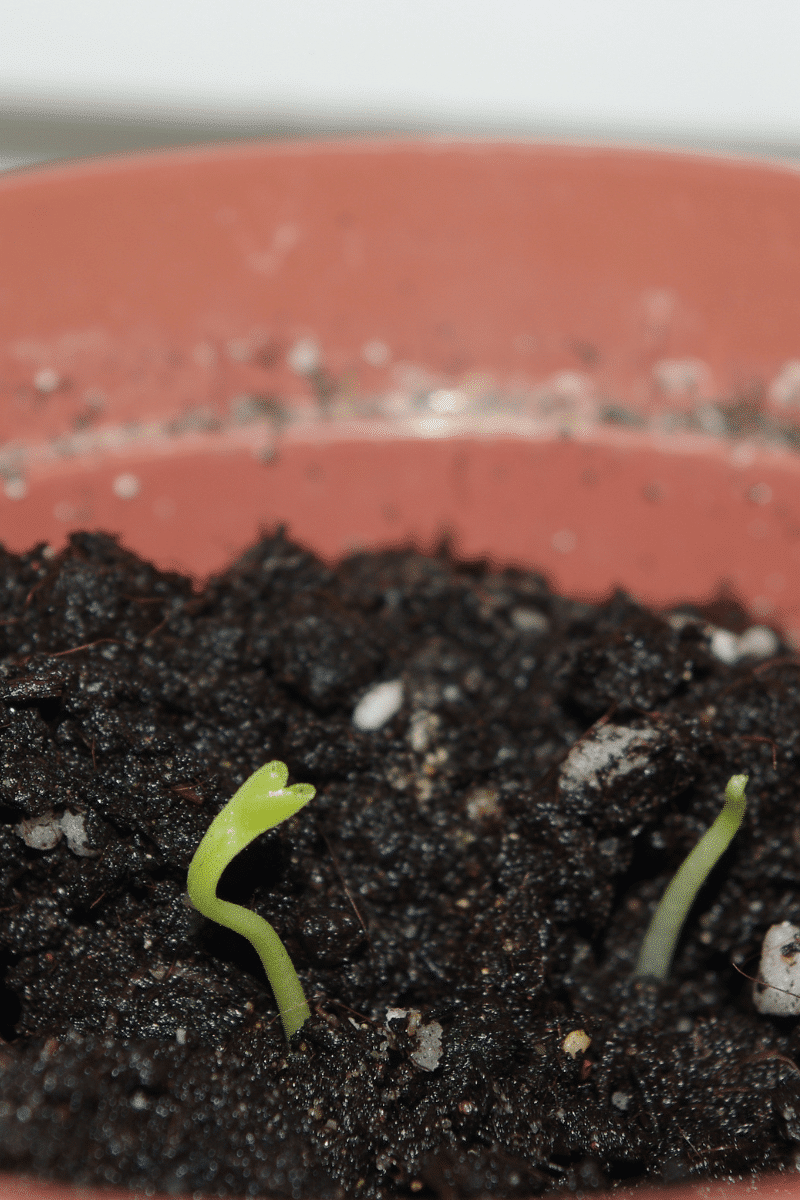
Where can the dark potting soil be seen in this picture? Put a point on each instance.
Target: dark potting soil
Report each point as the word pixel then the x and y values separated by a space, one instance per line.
pixel 464 898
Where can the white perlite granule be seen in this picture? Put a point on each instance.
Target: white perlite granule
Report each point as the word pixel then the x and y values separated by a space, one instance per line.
pixel 612 749
pixel 429 1040
pixel 778 993
pixel 41 833
pixel 529 620
pixel 75 833
pixel 756 642
pixel 45 832
pixel 379 705
pixel 428 1036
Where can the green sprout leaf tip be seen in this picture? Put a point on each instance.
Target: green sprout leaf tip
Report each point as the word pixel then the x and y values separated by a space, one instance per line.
pixel 658 947
pixel 262 802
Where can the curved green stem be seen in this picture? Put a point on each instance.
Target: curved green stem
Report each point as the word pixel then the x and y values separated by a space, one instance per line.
pixel 262 802
pixel 658 947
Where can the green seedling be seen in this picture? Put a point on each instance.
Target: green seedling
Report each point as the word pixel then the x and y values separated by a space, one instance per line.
pixel 658 947
pixel 262 802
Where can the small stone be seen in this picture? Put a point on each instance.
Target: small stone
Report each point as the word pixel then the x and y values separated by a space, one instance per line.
pixel 759 641
pixel 396 1014
pixel 724 645
pixel 529 620
pixel 610 750
pixel 379 705
pixel 75 832
pixel 41 833
pixel 429 1040
pixel 778 991
pixel 575 1043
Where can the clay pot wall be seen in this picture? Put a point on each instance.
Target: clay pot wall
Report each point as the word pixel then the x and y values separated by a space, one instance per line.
pixel 583 360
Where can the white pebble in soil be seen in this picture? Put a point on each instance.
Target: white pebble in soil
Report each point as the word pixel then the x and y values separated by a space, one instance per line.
pixel 612 750
pixel 41 833
pixel 429 1041
pixel 379 705
pixel 529 620
pixel 756 642
pixel 428 1036
pixel 45 832
pixel 778 992
pixel 725 646
pixel 576 1042
pixel 75 833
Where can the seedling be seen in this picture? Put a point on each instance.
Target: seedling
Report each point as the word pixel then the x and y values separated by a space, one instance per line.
pixel 262 802
pixel 658 947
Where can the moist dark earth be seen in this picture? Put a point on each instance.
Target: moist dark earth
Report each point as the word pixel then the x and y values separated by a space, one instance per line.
pixel 463 906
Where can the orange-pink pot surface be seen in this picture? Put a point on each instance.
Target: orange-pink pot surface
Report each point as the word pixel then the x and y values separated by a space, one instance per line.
pixel 138 293
pixel 512 259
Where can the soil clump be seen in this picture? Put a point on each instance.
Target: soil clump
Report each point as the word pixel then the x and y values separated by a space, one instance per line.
pixel 464 899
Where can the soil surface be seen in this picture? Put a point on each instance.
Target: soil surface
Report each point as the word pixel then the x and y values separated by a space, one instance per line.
pixel 464 899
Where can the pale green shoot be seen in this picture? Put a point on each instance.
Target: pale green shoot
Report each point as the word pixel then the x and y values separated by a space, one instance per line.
pixel 261 802
pixel 658 947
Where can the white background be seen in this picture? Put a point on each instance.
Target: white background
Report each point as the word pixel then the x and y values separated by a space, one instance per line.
pixel 687 67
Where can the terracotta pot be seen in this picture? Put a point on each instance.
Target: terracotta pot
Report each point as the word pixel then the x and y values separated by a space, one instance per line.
pixel 522 348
